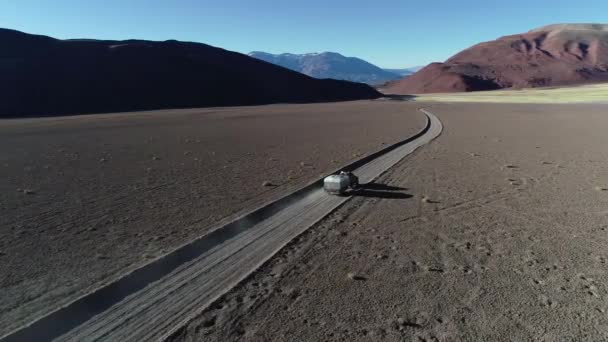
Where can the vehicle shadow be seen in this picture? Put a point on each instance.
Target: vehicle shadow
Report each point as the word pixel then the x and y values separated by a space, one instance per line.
pixel 378 190
pixel 380 187
pixel 380 194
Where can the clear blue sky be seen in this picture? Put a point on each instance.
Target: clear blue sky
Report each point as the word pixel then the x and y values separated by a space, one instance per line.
pixel 388 33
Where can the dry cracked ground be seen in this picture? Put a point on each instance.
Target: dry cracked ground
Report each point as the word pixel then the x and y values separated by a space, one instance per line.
pixel 495 231
pixel 86 199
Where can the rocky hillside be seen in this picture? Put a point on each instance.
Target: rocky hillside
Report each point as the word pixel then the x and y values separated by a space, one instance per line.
pixel 563 54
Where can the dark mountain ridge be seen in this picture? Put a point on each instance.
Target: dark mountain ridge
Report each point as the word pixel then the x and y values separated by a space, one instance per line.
pixel 43 76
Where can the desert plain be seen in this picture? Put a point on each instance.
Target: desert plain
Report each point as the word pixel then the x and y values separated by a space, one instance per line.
pixel 87 199
pixel 503 237
pixel 499 231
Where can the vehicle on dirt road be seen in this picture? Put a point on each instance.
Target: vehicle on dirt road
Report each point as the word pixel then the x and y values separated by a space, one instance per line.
pixel 341 184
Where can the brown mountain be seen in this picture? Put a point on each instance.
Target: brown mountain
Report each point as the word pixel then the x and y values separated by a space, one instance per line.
pixel 562 54
pixel 42 76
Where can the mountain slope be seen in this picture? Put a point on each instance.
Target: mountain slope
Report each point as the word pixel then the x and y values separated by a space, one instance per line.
pixel 562 54
pixel 329 65
pixel 45 76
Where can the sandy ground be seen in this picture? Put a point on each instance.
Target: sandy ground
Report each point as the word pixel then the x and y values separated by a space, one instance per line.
pixel 596 93
pixel 86 199
pixel 503 237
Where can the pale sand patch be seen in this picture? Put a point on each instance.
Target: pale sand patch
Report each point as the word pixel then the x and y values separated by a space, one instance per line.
pixel 574 94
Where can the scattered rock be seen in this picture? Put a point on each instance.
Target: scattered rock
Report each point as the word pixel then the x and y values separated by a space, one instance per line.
pixel 186 153
pixel 591 287
pixel 510 166
pixel 354 276
pixel 267 183
pixel 601 188
pixel 209 322
pixel 155 158
pixel 102 160
pixel 401 322
pixel 425 199
pixel 28 191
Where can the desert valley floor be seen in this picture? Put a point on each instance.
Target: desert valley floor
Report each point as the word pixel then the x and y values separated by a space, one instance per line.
pixel 500 234
pixel 86 199
pixel 511 243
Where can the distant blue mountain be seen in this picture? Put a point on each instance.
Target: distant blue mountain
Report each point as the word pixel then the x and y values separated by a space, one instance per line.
pixel 330 65
pixel 405 71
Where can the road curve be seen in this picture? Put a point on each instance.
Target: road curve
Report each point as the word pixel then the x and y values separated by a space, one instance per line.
pixel 153 302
